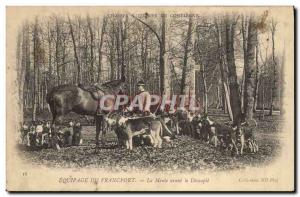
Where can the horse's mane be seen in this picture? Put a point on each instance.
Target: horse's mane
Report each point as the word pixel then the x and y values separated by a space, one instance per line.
pixel 64 87
pixel 111 85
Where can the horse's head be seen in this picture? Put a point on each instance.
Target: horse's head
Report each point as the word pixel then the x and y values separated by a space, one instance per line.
pixel 116 86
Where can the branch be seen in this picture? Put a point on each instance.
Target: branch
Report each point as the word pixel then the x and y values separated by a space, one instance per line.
pixel 212 80
pixel 157 36
pixel 175 74
pixel 208 90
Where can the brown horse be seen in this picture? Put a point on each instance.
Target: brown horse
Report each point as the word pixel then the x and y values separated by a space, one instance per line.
pixel 79 99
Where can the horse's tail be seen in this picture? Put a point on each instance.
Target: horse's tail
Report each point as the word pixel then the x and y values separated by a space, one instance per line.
pixel 51 104
pixel 49 97
pixel 50 100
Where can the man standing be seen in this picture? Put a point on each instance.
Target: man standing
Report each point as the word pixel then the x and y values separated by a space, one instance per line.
pixel 143 99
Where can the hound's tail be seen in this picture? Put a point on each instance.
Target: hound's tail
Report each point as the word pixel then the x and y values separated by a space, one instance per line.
pixel 167 132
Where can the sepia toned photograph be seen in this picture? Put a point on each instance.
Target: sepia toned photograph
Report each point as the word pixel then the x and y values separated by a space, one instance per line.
pixel 150 98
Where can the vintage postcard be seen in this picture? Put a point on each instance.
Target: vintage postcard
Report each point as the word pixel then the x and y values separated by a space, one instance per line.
pixel 150 98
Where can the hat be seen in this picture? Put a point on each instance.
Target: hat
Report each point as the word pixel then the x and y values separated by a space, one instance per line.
pixel 140 83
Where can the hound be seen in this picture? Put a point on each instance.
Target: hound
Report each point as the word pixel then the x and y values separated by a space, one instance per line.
pixel 126 128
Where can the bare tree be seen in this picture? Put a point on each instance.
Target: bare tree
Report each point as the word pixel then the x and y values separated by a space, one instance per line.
pixel 57 50
pixel 250 70
pixel 164 87
pixel 104 23
pixel 25 65
pixel 75 51
pixel 91 48
pixel 244 28
pixel 205 91
pixel 36 44
pixel 223 76
pixel 112 50
pixel 274 64
pixel 282 88
pixel 256 77
pixel 185 57
pixel 232 77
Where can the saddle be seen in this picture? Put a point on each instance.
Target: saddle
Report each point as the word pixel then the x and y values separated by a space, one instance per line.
pixel 96 90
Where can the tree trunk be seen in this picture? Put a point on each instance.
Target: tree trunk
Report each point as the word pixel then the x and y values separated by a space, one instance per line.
pixel 273 90
pixel 219 95
pixel 282 81
pixel 112 53
pixel 35 62
pixel 232 77
pixel 263 100
pixel 250 70
pixel 185 58
pixel 75 52
pixel 21 72
pixel 226 103
pixel 38 82
pixel 57 56
pixel 205 101
pixel 123 46
pixel 26 63
pixel 118 46
pixel 46 89
pixel 162 52
pixel 245 37
pixel 63 63
pixel 50 54
pixel 104 22
pixel 242 92
pixel 256 79
pixel 91 49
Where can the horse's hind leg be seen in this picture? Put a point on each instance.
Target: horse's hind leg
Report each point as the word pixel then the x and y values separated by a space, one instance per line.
pixel 103 131
pixel 53 118
pixel 57 118
pixel 98 129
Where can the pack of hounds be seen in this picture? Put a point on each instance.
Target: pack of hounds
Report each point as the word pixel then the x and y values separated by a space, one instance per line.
pixel 43 135
pixel 224 135
pixel 149 130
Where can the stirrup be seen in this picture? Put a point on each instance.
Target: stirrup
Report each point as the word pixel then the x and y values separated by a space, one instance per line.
pixel 98 113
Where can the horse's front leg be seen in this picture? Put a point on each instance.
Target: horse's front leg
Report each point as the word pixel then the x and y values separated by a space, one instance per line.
pixel 103 130
pixel 98 129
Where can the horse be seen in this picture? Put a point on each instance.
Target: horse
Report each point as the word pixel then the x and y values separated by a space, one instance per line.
pixel 83 100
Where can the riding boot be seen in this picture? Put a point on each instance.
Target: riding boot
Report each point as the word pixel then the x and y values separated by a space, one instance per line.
pixel 98 112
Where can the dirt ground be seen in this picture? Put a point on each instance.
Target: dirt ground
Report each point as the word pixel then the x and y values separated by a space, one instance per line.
pixel 182 154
